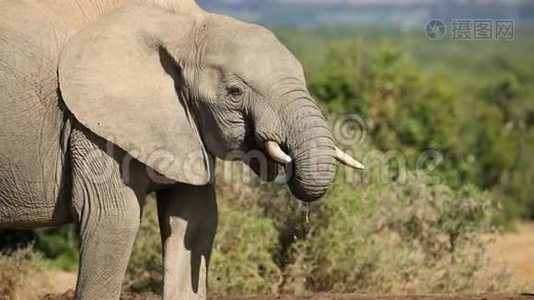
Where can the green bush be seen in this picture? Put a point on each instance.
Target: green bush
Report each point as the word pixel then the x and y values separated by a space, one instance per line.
pixel 480 121
pixel 59 246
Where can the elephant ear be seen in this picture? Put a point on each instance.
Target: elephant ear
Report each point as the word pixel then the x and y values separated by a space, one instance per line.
pixel 125 88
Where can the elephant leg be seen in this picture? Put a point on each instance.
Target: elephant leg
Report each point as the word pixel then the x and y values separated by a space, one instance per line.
pixel 107 209
pixel 188 221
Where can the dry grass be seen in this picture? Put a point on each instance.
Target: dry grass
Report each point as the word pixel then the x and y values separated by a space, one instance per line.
pixel 23 277
pixel 15 268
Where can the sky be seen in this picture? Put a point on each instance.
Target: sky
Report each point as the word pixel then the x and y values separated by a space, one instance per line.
pixel 396 2
pixel 405 13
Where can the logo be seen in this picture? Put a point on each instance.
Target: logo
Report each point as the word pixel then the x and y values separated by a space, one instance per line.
pixel 435 29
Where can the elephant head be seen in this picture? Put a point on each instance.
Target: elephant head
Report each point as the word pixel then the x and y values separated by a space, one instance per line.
pixel 174 89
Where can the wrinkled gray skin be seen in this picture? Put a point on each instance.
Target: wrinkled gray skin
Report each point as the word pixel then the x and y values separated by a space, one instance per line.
pixel 102 102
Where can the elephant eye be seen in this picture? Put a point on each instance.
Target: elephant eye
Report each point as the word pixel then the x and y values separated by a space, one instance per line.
pixel 234 91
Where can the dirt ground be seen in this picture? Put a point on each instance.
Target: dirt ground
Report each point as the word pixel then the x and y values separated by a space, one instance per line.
pixel 69 295
pixel 514 250
pixel 381 297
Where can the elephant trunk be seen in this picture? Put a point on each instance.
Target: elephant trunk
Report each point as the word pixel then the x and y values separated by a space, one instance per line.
pixel 311 145
pixel 300 130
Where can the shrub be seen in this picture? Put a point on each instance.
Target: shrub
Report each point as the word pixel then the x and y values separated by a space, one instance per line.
pixel 480 121
pixel 242 261
pixel 59 246
pixel 145 266
pixel 15 267
pixel 403 237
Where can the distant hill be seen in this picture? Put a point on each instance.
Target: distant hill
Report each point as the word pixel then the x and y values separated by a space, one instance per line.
pixel 408 14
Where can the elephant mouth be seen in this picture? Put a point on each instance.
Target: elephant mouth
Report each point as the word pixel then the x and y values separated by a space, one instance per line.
pixel 263 166
pixel 257 159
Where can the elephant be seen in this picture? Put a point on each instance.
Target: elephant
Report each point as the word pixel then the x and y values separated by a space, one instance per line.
pixel 106 101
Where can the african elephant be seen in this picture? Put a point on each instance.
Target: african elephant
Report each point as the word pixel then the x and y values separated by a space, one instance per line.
pixel 105 101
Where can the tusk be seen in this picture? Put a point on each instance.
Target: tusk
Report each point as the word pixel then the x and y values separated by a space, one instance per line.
pixel 276 153
pixel 345 159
